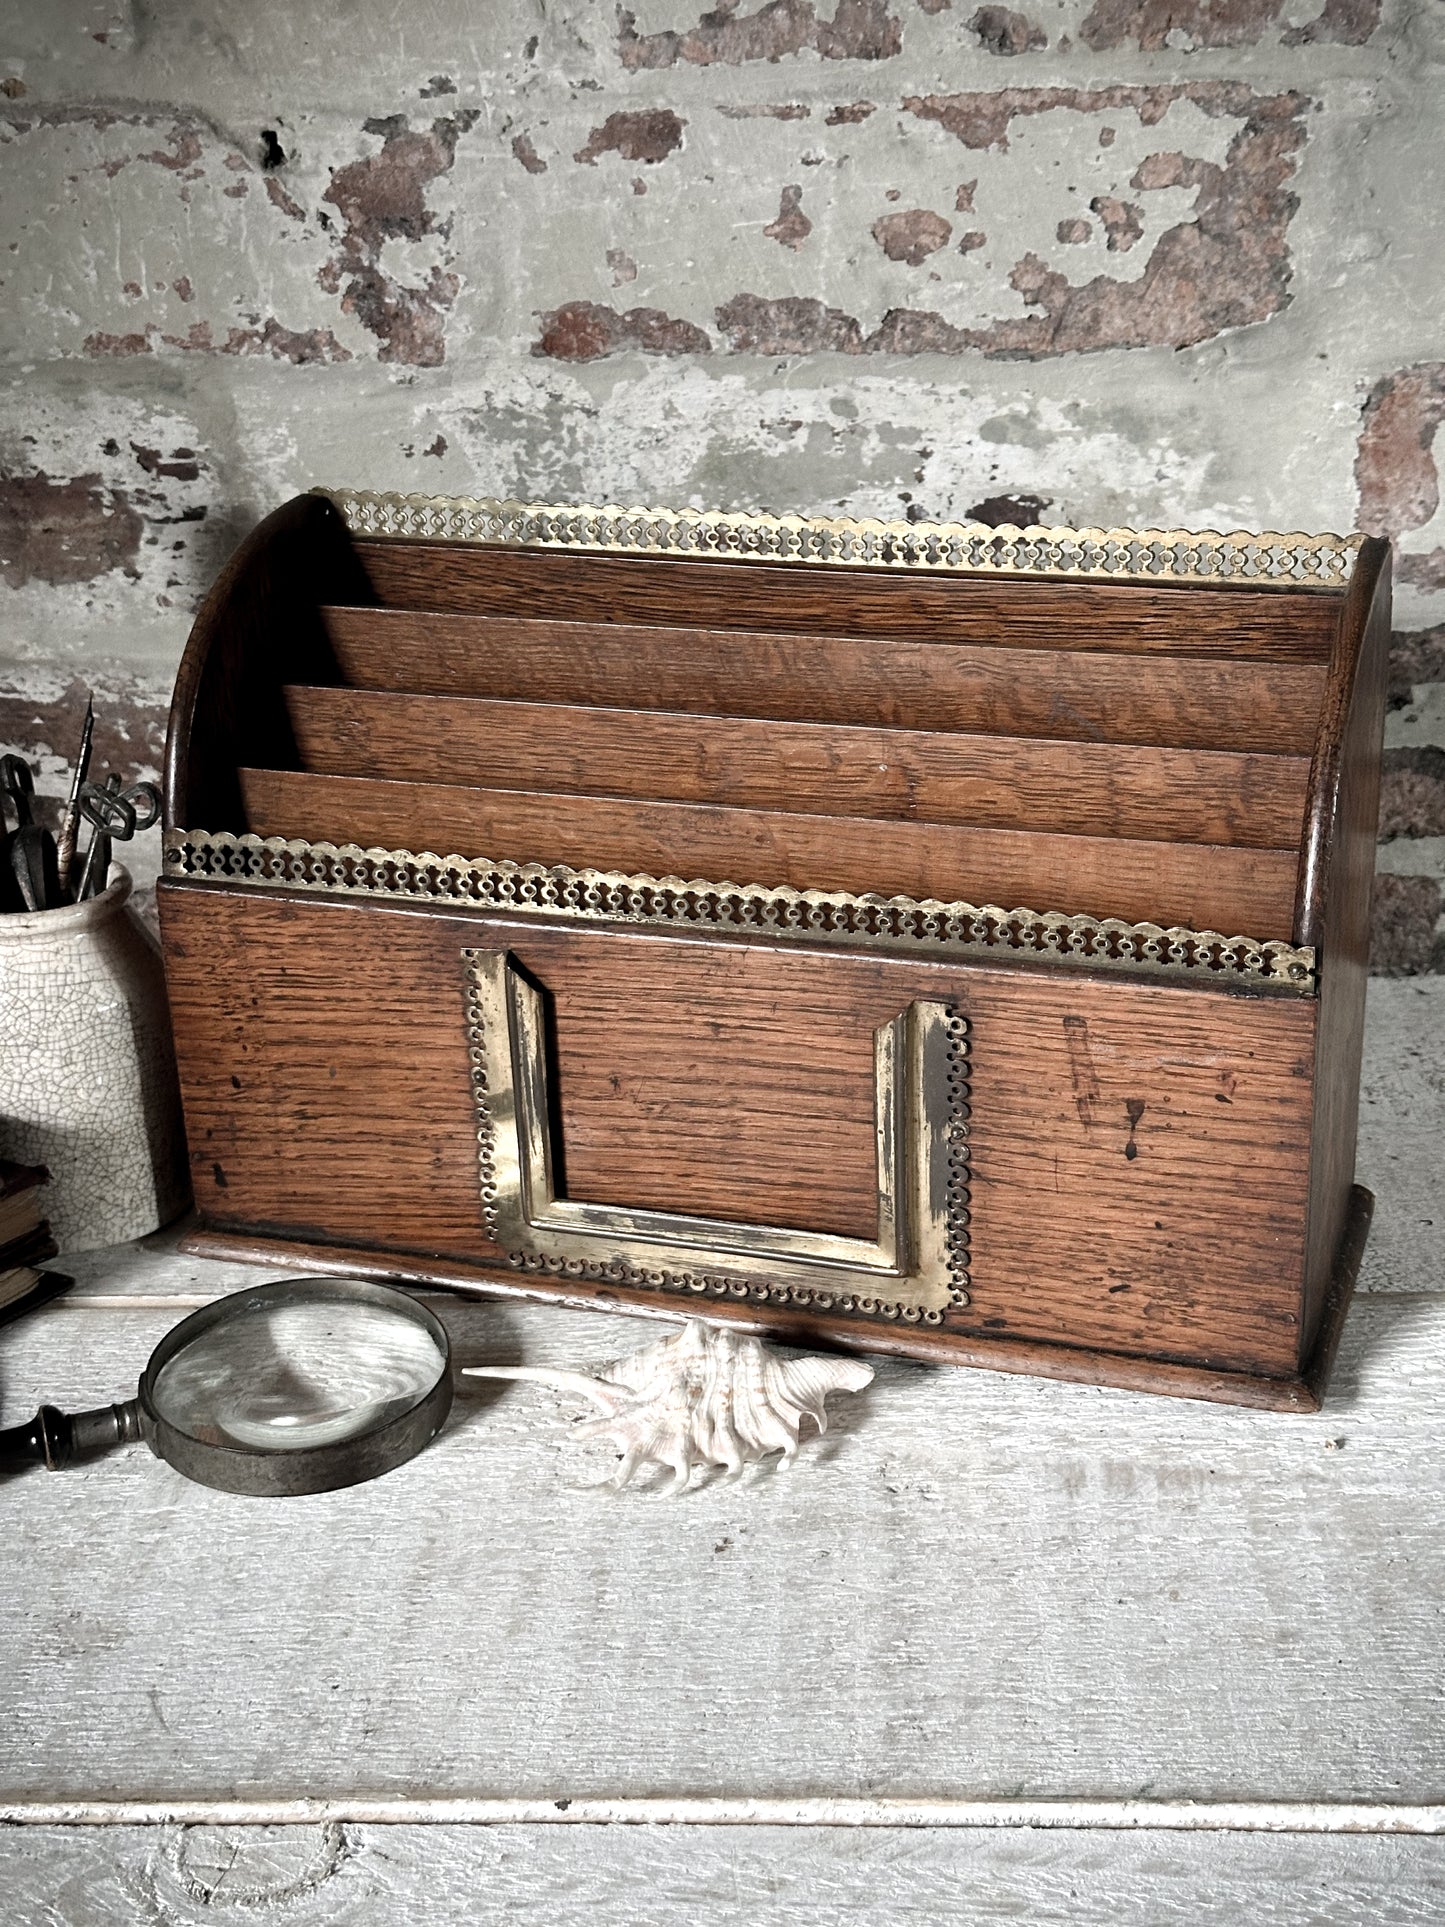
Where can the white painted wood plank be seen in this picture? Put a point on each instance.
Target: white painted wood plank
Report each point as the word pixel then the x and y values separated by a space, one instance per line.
pixel 980 1587
pixel 152 1272
pixel 707 1877
pixel 1111 1816
pixel 1402 1133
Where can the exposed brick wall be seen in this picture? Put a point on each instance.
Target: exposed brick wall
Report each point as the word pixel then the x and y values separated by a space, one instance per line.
pixel 1098 261
pixel 1409 934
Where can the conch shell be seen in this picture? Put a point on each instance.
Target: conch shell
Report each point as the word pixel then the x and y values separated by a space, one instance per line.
pixel 703 1396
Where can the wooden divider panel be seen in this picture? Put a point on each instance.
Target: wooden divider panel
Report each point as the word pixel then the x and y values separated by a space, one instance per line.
pixel 1089 789
pixel 1073 693
pixel 1265 624
pixel 1239 891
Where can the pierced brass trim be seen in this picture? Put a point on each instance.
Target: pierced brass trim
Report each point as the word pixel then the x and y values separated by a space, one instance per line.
pixel 967 548
pixel 915 1269
pixel 905 925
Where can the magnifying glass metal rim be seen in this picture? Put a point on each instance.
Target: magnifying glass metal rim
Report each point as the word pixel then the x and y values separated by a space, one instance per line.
pixel 56 1439
pixel 314 1468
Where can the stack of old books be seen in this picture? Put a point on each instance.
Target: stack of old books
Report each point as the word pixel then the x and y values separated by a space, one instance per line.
pixel 25 1242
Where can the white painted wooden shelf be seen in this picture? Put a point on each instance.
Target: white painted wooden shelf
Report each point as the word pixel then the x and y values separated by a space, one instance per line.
pixel 995 1649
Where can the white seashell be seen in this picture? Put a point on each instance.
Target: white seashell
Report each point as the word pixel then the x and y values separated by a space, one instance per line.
pixel 703 1396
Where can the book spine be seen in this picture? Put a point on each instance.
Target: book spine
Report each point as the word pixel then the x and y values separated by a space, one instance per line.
pixel 48 1285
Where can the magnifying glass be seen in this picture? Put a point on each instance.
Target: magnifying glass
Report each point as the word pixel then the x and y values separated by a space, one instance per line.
pixel 301 1386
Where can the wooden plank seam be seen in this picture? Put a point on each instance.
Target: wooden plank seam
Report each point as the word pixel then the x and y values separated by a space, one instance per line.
pixel 1276 1816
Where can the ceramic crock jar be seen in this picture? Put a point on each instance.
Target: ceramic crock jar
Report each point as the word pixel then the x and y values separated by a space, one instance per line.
pixel 87 1070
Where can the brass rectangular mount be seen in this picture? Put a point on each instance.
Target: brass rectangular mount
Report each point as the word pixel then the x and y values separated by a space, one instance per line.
pixel 915 1269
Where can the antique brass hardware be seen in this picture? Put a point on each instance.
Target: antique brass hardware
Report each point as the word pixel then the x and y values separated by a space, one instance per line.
pixel 914 1270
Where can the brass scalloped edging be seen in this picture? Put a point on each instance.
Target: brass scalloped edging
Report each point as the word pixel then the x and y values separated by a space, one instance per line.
pixel 971 548
pixel 906 924
pixel 937 1103
pixel 958 1200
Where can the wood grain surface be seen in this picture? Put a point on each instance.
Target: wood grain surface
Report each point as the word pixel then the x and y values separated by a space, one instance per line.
pixel 974 1588
pixel 949 1344
pixel 1337 871
pixel 1202 702
pixel 1402 1125
pixel 1260 624
pixel 711 1876
pixel 1203 886
pixel 1140 1153
pixel 999 782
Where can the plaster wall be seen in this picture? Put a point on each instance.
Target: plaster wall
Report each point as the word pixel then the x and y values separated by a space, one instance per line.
pixel 1149 262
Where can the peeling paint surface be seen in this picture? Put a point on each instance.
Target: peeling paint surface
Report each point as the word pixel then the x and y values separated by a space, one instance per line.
pixel 1396 471
pixel 1104 261
pixel 1156 25
pixel 190 223
pixel 1004 32
pixel 1195 184
pixel 649 136
pixel 382 200
pixel 857 30
pixel 70 531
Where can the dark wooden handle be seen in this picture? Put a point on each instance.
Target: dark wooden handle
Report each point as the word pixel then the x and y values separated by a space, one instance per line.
pixel 56 1439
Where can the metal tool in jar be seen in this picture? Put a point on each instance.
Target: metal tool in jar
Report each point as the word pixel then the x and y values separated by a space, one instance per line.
pixel 114 815
pixel 31 880
pixel 70 821
pixel 39 871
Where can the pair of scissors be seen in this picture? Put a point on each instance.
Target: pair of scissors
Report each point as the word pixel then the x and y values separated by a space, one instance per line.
pixel 29 851
pixel 113 813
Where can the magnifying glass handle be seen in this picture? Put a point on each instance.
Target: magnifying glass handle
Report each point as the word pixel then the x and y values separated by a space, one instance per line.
pixel 55 1439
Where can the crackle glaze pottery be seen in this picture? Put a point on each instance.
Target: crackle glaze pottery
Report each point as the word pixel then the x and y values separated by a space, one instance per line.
pixel 87 1070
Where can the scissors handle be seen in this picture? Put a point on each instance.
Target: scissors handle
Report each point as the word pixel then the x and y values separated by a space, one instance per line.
pixel 120 813
pixel 19 785
pixel 145 800
pixel 31 854
pixel 108 810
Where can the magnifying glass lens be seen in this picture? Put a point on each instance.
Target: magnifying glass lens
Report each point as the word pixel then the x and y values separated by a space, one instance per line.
pixel 288 1375
pixel 304 1385
pixel 299 1386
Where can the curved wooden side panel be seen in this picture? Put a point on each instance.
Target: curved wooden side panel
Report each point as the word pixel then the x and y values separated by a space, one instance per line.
pixel 259 627
pixel 1345 770
pixel 1332 911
